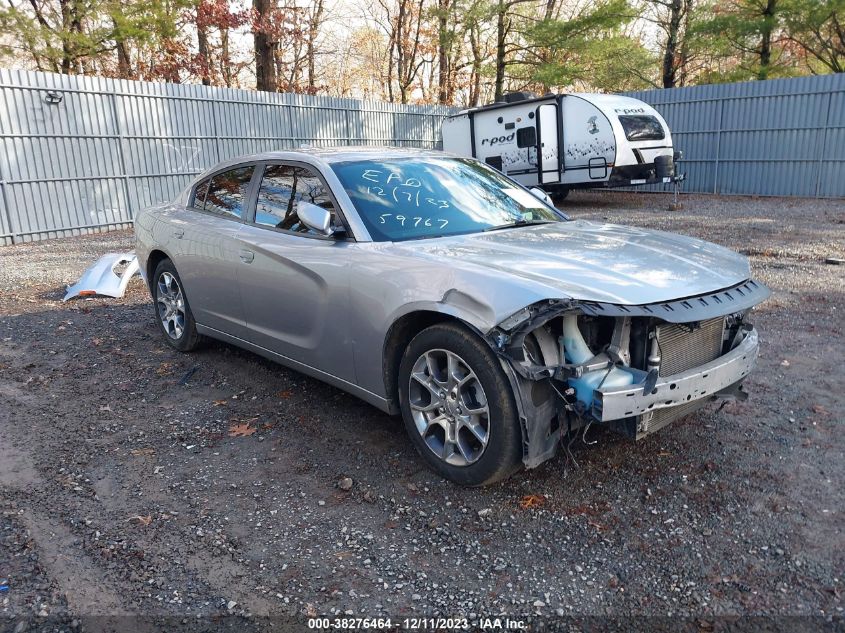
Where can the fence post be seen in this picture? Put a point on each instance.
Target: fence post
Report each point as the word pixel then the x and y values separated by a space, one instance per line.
pixel 3 164
pixel 7 213
pixel 823 145
pixel 121 159
pixel 213 102
pixel 348 131
pixel 718 146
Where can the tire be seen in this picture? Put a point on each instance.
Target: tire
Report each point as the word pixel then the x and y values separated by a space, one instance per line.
pixel 172 311
pixel 559 194
pixel 442 415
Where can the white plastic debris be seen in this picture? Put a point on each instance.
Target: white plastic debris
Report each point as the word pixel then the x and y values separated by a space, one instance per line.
pixel 101 278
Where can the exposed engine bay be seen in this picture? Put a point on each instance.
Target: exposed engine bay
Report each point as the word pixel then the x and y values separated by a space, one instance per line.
pixel 624 367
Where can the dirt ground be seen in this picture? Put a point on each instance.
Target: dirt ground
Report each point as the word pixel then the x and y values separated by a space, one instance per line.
pixel 124 492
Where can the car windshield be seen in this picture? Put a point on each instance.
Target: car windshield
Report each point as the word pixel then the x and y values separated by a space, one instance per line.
pixel 414 198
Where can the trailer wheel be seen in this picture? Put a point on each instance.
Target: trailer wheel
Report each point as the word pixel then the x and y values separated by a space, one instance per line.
pixel 559 194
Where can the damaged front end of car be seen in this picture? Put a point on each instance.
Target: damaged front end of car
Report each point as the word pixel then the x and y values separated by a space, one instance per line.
pixel 632 368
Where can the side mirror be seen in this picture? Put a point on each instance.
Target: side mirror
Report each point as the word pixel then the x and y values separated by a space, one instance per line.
pixel 542 195
pixel 315 217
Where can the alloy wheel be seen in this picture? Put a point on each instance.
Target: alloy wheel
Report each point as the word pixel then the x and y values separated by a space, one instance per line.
pixel 171 305
pixel 449 407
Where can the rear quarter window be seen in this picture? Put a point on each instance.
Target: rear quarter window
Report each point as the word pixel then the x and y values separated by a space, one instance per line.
pixel 199 194
pixel 227 193
pixel 642 127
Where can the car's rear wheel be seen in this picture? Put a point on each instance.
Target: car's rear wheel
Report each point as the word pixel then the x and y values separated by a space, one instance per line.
pixel 173 313
pixel 458 406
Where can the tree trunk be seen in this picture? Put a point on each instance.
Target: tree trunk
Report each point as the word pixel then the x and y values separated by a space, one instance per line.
pixel 766 39
pixel 501 33
pixel 399 43
pixel 205 57
pixel 670 51
pixel 225 58
pixel 79 56
pixel 443 42
pixel 475 83
pixel 316 22
pixel 67 53
pixel 265 68
pixel 124 61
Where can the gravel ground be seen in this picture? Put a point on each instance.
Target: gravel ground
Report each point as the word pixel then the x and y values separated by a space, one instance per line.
pixel 124 491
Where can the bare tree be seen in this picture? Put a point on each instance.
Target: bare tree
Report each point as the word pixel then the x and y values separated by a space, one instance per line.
pixel 265 44
pixel 315 22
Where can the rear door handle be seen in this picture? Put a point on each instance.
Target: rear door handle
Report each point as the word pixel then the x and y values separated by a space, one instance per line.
pixel 247 256
pixel 179 233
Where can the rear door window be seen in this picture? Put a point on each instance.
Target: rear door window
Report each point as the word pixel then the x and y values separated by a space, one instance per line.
pixel 227 192
pixel 642 127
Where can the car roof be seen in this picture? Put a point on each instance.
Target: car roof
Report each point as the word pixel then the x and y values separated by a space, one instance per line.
pixel 320 155
pixel 367 152
pixel 338 154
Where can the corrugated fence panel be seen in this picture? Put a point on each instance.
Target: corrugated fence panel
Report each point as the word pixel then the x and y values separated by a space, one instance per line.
pixel 832 149
pixel 778 138
pixel 84 153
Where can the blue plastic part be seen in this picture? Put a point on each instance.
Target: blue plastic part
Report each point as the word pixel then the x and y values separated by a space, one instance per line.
pixel 576 350
pixel 584 386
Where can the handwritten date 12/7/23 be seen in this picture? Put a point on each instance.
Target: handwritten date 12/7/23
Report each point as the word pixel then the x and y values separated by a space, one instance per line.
pixel 414 221
pixel 403 190
pixel 400 196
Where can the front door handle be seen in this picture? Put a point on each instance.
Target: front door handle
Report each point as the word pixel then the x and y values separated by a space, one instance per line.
pixel 247 256
pixel 179 233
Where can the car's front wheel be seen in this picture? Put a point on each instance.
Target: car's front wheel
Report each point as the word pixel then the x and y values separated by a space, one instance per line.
pixel 173 313
pixel 458 406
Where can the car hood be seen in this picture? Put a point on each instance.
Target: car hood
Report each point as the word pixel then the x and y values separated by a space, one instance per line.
pixel 595 262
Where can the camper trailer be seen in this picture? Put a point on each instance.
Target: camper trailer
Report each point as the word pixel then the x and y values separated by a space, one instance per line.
pixel 563 142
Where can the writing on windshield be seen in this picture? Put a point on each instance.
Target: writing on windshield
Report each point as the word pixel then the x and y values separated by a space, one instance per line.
pixel 426 197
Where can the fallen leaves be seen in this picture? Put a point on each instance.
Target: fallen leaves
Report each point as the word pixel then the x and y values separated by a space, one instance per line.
pixel 820 410
pixel 165 369
pixel 220 403
pixel 599 526
pixel 143 520
pixel 142 452
pixel 241 430
pixel 531 501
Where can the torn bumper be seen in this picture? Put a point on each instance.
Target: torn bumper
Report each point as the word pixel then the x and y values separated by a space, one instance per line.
pixel 102 279
pixel 694 384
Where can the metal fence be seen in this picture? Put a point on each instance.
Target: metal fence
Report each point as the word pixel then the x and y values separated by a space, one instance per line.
pixel 782 137
pixel 82 154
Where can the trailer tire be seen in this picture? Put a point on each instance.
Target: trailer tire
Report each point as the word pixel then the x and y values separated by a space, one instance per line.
pixel 559 194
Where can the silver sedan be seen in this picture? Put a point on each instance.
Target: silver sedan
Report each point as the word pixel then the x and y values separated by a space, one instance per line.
pixel 435 287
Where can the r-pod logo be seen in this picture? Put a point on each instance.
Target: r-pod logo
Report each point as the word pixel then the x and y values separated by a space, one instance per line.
pixel 499 140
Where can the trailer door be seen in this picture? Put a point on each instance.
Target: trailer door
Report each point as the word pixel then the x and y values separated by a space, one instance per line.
pixel 547 143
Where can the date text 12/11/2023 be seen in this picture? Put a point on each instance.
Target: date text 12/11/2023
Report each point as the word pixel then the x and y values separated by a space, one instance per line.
pixel 417 624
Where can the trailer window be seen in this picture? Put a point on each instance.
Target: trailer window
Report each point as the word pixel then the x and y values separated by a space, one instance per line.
pixel 642 127
pixel 526 136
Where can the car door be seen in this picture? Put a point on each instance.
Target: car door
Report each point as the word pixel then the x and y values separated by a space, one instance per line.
pixel 209 250
pixel 295 282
